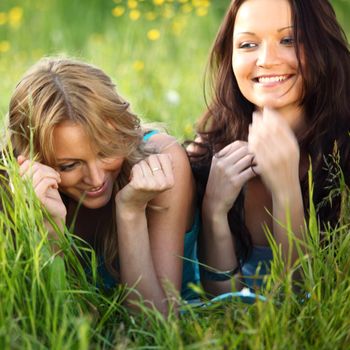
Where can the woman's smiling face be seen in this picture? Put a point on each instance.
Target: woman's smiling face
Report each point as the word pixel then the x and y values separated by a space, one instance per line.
pixel 84 174
pixel 264 60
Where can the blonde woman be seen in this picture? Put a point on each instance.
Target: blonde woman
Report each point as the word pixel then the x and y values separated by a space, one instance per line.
pixel 135 186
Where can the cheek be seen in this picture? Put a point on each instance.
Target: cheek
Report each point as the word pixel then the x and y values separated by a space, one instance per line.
pixel 114 165
pixel 69 180
pixel 241 70
pixel 289 57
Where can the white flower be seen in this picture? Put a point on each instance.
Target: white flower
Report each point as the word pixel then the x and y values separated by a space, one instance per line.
pixel 173 97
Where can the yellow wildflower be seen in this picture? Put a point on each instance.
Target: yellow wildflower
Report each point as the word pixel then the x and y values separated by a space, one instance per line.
pixel 118 11
pixel 15 16
pixel 4 46
pixel 188 130
pixel 178 27
pixel 150 15
pixel 158 2
pixel 153 34
pixel 201 11
pixel 187 8
pixel 138 65
pixel 168 12
pixel 134 15
pixel 132 4
pixel 200 3
pixel 3 18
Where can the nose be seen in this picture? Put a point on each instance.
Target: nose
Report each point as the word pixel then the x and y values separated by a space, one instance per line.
pixel 268 55
pixel 94 174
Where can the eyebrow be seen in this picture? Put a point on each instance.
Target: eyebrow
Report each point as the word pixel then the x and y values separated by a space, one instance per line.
pixel 66 159
pixel 251 33
pixel 282 29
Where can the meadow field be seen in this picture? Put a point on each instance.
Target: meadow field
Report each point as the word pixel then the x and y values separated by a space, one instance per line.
pixel 156 52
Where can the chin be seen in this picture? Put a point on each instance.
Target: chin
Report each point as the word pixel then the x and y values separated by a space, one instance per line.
pixel 273 103
pixel 95 204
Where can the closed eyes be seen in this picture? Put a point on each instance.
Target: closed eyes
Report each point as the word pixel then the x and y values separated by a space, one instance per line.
pixel 67 167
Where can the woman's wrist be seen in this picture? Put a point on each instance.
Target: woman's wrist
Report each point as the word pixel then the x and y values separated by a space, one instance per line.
pixel 287 195
pixel 129 212
pixel 52 229
pixel 212 274
pixel 214 209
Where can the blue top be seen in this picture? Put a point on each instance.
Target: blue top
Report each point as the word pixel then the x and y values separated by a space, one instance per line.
pixel 256 266
pixel 149 134
pixel 190 272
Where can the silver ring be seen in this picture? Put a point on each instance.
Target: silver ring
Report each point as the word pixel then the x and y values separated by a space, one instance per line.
pixel 155 169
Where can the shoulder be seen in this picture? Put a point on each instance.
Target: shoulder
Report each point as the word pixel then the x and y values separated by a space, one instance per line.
pixel 167 144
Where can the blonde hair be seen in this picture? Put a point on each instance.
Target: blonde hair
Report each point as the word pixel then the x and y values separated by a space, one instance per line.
pixel 55 90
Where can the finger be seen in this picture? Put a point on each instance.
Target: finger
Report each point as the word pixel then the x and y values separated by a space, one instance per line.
pixel 257 121
pixel 146 169
pixel 28 169
pixel 162 170
pixel 244 163
pixel 24 166
pixel 256 169
pixel 35 171
pixel 270 114
pixel 238 155
pixel 274 122
pixel 21 159
pixel 40 174
pixel 42 187
pixel 167 166
pixel 232 147
pixel 136 172
pixel 246 175
pixel 155 165
pixel 259 132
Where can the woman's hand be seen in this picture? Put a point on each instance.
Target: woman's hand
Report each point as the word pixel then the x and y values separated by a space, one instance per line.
pixel 149 177
pixel 276 151
pixel 45 183
pixel 230 169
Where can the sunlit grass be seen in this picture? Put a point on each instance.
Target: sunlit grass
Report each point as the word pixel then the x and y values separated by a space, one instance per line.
pixel 49 302
pixel 157 58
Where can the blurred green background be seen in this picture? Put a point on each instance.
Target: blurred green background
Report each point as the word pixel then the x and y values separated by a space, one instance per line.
pixel 155 50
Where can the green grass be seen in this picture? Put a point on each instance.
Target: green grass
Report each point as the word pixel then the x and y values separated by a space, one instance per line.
pixel 46 300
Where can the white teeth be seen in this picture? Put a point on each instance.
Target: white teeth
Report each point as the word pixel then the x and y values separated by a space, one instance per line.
pixel 274 79
pixel 95 189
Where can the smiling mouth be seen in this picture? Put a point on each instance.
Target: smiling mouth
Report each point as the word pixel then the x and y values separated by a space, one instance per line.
pixel 272 79
pixel 96 191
